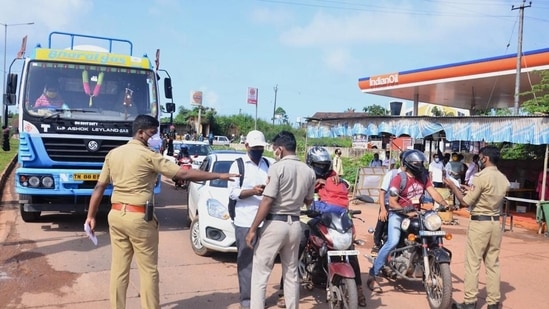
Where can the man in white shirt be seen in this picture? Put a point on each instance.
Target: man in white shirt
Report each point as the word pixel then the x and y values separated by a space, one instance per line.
pixel 436 171
pixel 388 162
pixel 248 195
pixel 471 171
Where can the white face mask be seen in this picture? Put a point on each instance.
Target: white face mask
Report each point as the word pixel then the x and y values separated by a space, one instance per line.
pixel 437 160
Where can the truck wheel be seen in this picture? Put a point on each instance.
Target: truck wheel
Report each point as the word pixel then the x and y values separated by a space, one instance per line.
pixel 29 216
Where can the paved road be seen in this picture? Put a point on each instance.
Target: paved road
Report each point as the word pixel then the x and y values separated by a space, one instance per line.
pixel 50 264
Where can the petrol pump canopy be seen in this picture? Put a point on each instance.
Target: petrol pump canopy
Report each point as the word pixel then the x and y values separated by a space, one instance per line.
pixel 477 84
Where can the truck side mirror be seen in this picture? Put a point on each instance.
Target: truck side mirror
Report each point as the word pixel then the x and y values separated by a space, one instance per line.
pixel 168 88
pixel 11 88
pixel 170 107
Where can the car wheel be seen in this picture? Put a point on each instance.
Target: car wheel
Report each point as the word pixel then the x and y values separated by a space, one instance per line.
pixel 196 241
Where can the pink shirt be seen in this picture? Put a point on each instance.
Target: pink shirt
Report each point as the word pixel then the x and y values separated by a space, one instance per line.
pixel 44 101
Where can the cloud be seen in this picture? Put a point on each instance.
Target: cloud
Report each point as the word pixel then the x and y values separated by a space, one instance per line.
pixel 268 16
pixel 337 59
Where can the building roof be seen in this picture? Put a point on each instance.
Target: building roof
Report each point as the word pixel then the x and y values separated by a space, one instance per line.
pixel 477 84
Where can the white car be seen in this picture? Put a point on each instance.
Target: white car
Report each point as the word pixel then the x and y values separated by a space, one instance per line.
pixel 211 226
pixel 220 140
pixel 197 150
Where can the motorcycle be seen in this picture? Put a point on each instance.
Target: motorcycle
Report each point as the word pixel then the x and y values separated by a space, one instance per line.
pixel 184 163
pixel 421 256
pixel 324 261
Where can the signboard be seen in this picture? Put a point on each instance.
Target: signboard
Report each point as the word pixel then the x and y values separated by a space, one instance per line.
pixel 196 98
pixel 252 95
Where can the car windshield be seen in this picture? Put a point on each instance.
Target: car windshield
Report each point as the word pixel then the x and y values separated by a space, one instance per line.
pixel 220 167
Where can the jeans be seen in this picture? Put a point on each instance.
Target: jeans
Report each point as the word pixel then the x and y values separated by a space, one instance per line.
pixel 392 241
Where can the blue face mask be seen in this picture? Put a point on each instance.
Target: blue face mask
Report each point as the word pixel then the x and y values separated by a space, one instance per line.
pixel 255 154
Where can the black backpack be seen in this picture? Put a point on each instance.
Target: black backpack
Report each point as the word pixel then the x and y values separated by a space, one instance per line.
pixel 232 203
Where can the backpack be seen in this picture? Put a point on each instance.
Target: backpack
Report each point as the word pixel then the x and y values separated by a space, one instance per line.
pixel 232 203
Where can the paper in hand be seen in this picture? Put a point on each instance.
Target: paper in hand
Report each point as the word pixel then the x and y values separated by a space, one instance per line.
pixel 454 181
pixel 90 234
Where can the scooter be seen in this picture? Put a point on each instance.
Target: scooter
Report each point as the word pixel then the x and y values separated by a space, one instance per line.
pixel 187 164
pixel 325 259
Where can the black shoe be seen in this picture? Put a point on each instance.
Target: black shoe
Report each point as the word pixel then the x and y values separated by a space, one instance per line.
pixel 464 306
pixel 494 306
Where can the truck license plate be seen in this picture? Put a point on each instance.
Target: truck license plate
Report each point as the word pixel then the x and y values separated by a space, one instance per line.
pixel 85 177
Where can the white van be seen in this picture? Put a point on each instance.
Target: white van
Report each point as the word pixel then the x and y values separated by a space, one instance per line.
pixel 221 140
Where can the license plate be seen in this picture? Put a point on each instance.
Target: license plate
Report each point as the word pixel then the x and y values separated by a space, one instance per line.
pixel 85 177
pixel 342 252
pixel 432 233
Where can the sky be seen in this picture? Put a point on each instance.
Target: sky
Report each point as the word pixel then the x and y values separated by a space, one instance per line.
pixel 312 51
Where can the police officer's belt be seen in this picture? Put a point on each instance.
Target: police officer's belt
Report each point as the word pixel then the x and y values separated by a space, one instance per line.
pixel 281 217
pixel 484 218
pixel 128 208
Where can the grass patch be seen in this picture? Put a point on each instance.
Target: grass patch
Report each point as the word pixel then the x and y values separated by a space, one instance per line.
pixel 7 156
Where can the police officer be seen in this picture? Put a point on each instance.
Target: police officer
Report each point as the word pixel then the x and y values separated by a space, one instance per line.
pixel 133 170
pixel 485 199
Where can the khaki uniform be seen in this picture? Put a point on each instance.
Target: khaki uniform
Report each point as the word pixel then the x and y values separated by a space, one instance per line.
pixel 290 183
pixel 133 170
pixel 484 233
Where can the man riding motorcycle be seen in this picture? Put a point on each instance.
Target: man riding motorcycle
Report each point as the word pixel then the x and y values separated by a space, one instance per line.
pixel 333 192
pixel 407 199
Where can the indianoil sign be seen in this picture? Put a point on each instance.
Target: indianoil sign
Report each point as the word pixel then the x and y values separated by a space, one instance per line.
pixel 384 80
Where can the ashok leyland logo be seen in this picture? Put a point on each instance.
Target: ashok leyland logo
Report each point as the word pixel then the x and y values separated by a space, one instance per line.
pixel 384 80
pixel 93 146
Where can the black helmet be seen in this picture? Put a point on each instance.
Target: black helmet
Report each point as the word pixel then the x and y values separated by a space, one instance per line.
pixel 319 159
pixel 414 161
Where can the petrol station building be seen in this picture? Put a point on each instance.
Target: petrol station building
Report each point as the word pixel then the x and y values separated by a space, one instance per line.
pixel 474 85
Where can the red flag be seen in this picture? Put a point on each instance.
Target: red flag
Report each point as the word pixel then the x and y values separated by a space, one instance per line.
pixel 21 52
pixel 157 60
pixel 252 95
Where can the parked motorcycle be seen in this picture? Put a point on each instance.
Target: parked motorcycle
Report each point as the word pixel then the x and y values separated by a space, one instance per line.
pixel 184 163
pixel 325 260
pixel 421 255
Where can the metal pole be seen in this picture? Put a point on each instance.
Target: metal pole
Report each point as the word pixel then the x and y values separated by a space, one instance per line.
pixel 519 56
pixel 275 88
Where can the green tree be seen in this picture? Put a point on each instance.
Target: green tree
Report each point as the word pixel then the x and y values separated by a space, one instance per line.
pixel 539 102
pixel 281 116
pixel 375 110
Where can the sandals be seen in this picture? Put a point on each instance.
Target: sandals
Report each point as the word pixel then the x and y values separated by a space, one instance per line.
pixel 281 303
pixel 373 285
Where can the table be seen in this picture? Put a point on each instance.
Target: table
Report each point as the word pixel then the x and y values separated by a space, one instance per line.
pixel 521 195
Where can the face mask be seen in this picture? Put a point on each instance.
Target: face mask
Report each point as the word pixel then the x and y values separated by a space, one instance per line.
pixel 255 154
pixel 480 164
pixel 437 160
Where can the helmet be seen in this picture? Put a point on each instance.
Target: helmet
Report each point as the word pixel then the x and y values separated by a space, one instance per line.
pixel 318 158
pixel 414 161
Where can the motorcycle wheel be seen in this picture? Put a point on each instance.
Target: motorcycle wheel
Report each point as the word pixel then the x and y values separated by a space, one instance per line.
pixel 439 286
pixel 343 295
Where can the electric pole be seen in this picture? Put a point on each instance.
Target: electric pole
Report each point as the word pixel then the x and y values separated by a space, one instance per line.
pixel 275 88
pixel 519 53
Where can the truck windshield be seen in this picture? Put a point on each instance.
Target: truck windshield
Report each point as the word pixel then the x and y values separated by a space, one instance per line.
pixel 77 91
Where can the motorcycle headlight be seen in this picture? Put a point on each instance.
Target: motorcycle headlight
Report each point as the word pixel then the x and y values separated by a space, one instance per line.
pixel 405 224
pixel 341 241
pixel 432 221
pixel 216 209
